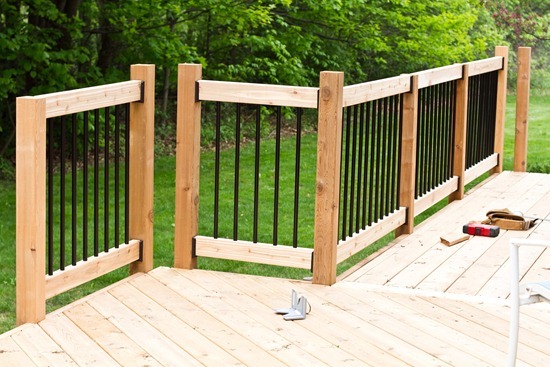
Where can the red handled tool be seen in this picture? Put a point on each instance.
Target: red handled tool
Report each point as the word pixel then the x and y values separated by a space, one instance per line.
pixel 478 229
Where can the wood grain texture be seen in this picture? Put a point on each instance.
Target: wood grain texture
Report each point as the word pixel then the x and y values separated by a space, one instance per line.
pixel 187 166
pixel 329 141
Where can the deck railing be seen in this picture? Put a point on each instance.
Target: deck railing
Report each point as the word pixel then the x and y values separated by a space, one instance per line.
pixel 386 151
pixel 51 205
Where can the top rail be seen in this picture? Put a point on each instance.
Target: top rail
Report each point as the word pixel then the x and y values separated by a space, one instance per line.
pixel 84 99
pixel 262 94
pixel 485 66
pixel 370 91
pixel 440 75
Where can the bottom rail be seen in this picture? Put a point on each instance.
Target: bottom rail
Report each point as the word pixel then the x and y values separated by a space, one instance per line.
pixel 84 271
pixel 261 253
pixel 366 237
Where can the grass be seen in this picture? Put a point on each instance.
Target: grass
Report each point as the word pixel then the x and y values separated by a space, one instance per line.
pixel 538 160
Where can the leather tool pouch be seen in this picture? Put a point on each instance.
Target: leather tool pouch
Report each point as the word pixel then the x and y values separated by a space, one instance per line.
pixel 505 219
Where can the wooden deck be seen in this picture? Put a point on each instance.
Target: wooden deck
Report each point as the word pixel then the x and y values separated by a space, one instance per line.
pixel 417 303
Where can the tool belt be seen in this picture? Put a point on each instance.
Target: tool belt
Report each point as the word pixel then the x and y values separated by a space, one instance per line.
pixel 505 219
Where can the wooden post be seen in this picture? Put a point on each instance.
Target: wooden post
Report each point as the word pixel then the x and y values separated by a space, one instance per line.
pixel 327 195
pixel 408 156
pixel 187 166
pixel 501 107
pixel 142 159
pixel 30 209
pixel 522 108
pixel 461 119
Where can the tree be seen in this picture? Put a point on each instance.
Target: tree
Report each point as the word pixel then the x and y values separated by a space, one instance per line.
pixel 51 45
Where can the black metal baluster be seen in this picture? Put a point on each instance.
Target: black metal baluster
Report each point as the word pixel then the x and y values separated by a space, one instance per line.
pixel 117 176
pixel 96 182
pixel 420 142
pixel 391 154
pixel 217 170
pixel 237 168
pixel 297 177
pixel 439 132
pixel 372 160
pixel 452 131
pixel 127 177
pixel 346 178
pixel 62 196
pixel 383 148
pixel 358 217
pixel 353 131
pixel 256 175
pixel 379 173
pixel 74 202
pixel 367 164
pixel 50 125
pixel 85 189
pixel 277 175
pixel 106 183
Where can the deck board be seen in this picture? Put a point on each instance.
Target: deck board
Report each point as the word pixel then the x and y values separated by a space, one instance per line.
pixel 416 303
pixel 478 266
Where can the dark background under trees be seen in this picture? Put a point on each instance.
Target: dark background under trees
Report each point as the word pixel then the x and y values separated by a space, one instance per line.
pixel 55 45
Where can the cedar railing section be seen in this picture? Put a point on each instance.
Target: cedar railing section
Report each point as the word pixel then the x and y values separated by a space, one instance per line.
pixel 429 90
pixel 34 286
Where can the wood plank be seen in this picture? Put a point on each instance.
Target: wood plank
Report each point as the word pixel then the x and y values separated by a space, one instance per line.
pixel 480 168
pixel 477 342
pixel 86 99
pixel 267 338
pixel 450 218
pixel 460 129
pixel 439 75
pixel 408 156
pixel 383 313
pixel 187 166
pixel 73 341
pixel 351 333
pixel 11 354
pixel 435 195
pixel 41 349
pixel 262 253
pixel 246 300
pixel 201 321
pixel 186 337
pixel 377 89
pixel 30 209
pixel 502 87
pixel 327 193
pixel 496 338
pixel 367 236
pixel 497 318
pixel 164 350
pixel 476 276
pixel 262 94
pixel 522 108
pixel 84 271
pixel 485 66
pixel 142 162
pixel 110 338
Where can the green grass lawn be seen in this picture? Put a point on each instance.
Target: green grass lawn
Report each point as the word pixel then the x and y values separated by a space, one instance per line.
pixel 538 160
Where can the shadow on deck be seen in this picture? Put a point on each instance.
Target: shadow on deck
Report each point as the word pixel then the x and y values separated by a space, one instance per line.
pixel 414 303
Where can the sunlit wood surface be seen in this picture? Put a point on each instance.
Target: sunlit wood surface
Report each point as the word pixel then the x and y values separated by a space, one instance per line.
pixel 418 303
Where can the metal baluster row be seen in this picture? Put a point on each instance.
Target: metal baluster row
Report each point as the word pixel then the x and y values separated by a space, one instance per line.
pixel 68 145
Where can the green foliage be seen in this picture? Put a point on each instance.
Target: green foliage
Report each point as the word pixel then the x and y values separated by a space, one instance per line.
pixel 51 45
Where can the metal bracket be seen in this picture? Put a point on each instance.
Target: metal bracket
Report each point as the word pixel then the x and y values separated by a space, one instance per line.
pixel 142 93
pixel 140 250
pixel 297 310
pixel 197 99
pixel 194 247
